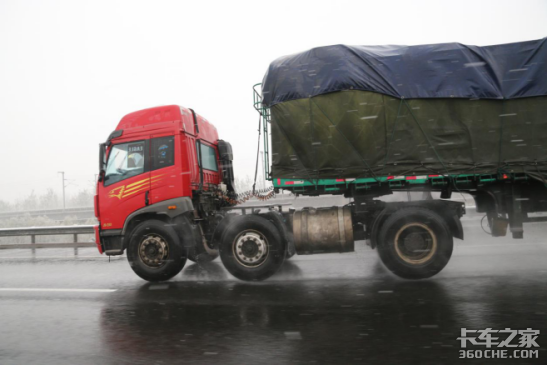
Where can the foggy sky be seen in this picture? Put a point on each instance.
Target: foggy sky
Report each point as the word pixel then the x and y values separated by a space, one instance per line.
pixel 70 70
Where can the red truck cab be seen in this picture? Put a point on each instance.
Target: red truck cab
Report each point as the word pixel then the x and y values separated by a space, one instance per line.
pixel 152 156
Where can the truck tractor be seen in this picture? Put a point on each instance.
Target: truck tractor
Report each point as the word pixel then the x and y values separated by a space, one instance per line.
pixel 356 121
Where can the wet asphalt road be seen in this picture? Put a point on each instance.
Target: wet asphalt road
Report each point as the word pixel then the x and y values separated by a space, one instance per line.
pixel 323 309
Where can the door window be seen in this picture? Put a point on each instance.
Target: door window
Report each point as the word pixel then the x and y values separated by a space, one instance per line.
pixel 209 157
pixel 162 152
pixel 125 160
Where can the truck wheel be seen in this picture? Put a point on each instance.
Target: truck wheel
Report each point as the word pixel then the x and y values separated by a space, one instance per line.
pixel 415 243
pixel 251 248
pixel 154 251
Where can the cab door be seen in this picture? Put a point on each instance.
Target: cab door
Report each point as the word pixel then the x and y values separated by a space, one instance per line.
pixel 208 157
pixel 126 184
pixel 165 168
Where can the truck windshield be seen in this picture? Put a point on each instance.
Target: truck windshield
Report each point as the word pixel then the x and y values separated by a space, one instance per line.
pixel 124 161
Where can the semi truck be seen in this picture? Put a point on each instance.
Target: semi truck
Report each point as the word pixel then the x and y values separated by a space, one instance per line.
pixel 357 121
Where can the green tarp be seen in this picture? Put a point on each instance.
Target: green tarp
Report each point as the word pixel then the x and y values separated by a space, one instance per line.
pixel 355 134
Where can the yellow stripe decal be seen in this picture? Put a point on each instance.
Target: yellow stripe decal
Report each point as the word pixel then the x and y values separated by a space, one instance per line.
pixel 132 192
pixel 136 183
pixel 136 187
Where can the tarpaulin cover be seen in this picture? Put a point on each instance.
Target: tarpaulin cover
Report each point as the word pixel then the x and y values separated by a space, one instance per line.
pixel 353 112
pixel 449 70
pixel 358 134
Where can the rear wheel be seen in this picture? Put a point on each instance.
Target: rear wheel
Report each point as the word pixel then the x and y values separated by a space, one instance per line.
pixel 154 252
pixel 415 243
pixel 251 248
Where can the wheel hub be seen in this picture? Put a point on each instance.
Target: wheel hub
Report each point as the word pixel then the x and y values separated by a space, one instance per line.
pixel 250 248
pixel 153 250
pixel 415 243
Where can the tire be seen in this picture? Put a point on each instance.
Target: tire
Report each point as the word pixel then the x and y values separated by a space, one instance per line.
pixel 154 251
pixel 415 243
pixel 251 248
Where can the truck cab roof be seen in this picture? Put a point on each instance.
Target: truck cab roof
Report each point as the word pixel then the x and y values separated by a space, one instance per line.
pixel 165 119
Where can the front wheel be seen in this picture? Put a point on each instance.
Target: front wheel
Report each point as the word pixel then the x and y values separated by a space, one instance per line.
pixel 154 252
pixel 415 243
pixel 251 248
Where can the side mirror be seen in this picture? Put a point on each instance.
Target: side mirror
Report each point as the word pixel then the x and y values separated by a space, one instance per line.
pixel 102 149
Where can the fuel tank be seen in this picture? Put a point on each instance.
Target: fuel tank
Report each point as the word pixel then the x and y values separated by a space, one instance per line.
pixel 323 230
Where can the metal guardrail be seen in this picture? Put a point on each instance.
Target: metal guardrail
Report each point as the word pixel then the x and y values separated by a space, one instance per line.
pixel 47 231
pixel 83 211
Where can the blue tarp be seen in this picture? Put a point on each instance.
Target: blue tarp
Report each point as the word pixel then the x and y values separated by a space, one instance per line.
pixel 448 70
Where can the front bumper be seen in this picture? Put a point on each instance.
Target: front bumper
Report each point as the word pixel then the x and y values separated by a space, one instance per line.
pixel 112 242
pixel 98 239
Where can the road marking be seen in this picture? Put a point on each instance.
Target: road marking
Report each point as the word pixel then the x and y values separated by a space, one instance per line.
pixel 60 290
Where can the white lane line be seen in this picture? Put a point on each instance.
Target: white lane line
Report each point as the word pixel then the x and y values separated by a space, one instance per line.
pixel 60 290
